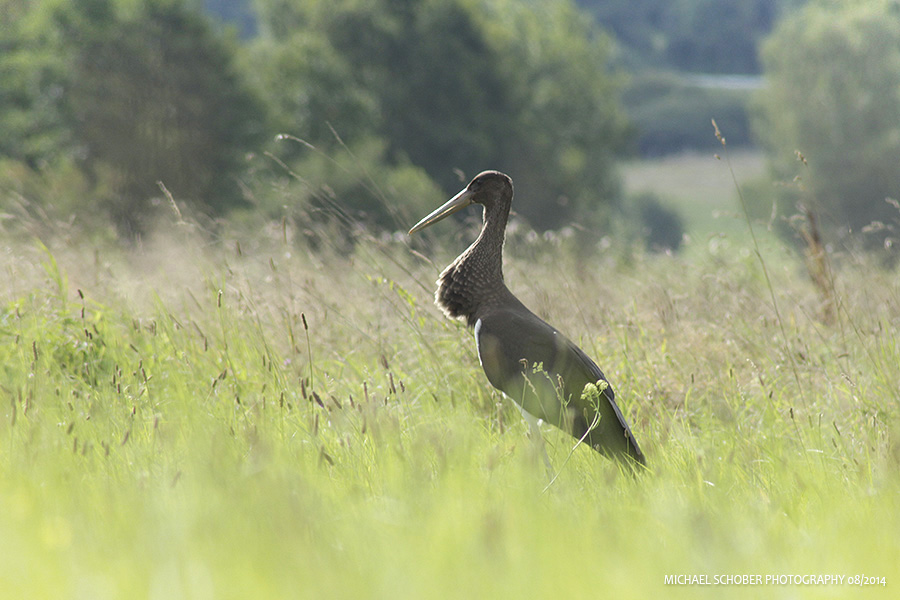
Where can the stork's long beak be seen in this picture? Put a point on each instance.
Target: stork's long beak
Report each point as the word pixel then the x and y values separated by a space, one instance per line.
pixel 457 202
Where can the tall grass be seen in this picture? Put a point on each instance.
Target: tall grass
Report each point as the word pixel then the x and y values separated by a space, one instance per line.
pixel 244 418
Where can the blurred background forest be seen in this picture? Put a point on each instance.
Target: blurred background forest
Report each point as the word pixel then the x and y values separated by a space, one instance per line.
pixel 368 113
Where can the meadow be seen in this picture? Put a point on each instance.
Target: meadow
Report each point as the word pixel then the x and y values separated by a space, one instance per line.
pixel 699 186
pixel 235 416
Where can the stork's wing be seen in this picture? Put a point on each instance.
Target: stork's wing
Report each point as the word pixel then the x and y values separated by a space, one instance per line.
pixel 543 371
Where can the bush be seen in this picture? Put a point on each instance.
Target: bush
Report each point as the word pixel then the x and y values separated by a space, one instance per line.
pixel 332 198
pixel 661 228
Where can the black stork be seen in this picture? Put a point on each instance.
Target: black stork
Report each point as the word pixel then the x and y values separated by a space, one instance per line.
pixel 522 355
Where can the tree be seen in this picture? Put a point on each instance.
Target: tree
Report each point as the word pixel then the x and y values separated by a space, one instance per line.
pixel 33 131
pixel 833 93
pixel 416 73
pixel 455 87
pixel 137 93
pixel 441 97
pixel 568 128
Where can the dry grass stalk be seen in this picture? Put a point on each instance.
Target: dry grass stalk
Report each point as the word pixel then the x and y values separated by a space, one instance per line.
pixel 817 264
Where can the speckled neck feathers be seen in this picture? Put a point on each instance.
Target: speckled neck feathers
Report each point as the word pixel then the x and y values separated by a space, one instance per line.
pixel 473 283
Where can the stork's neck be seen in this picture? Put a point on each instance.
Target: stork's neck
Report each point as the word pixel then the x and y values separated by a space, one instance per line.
pixel 473 283
pixel 486 252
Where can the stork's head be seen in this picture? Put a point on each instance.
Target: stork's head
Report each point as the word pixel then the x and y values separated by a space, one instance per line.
pixel 488 189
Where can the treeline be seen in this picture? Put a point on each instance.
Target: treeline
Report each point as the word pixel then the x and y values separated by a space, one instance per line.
pixel 373 111
pixel 388 105
pixel 704 36
pixel 701 36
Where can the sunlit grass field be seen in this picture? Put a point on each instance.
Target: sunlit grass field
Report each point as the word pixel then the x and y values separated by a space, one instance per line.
pixel 242 418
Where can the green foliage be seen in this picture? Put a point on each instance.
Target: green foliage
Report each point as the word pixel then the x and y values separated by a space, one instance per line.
pixel 570 125
pixel 442 98
pixel 49 193
pixel 349 188
pixel 833 74
pixel 33 130
pixel 102 99
pixel 662 227
pixel 137 93
pixel 134 93
pixel 453 88
pixel 311 91
pixel 717 36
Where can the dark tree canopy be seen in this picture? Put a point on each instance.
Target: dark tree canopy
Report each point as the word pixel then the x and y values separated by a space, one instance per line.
pixel 455 87
pixel 136 93
pixel 391 97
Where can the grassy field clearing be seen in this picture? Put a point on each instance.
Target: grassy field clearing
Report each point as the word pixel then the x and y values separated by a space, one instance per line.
pixel 247 420
pixel 700 187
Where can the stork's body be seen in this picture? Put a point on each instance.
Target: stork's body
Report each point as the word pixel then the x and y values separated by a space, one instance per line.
pixel 522 355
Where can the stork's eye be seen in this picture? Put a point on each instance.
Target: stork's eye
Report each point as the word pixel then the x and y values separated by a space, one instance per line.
pixel 480 181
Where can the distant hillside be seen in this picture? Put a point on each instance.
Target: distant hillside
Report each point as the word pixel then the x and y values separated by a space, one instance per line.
pixel 701 36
